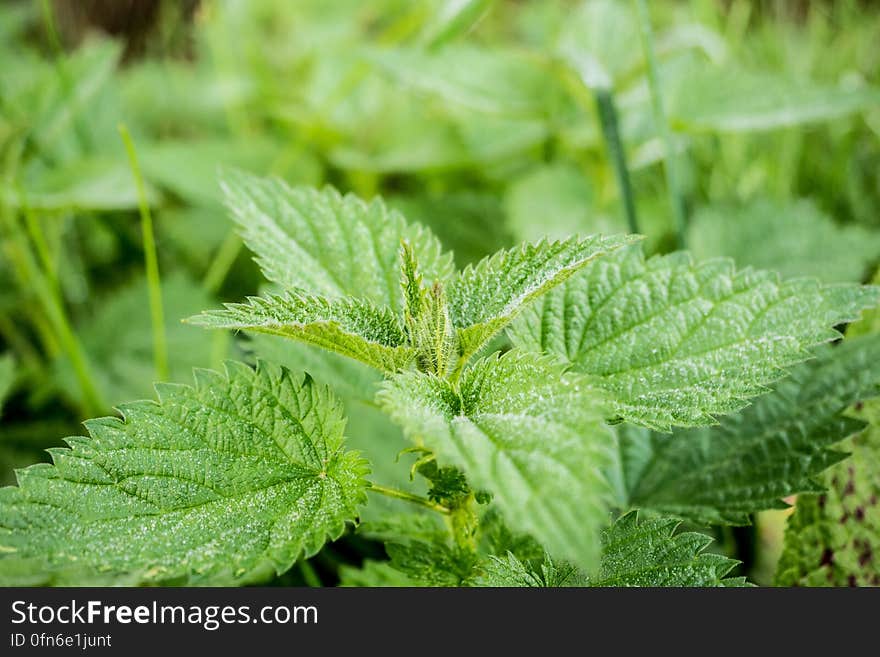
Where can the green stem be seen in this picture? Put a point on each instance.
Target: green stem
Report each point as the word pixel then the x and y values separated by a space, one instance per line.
pixel 611 131
pixel 223 260
pixel 219 348
pixel 676 200
pixel 587 95
pixel 408 497
pixel 151 262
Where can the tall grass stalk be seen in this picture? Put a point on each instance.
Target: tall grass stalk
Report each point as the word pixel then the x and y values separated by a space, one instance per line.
pixel 676 200
pixel 151 262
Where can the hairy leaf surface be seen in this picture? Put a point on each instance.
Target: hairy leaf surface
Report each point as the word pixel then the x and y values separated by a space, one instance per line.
pixel 677 343
pixel 486 297
pixel 351 327
pixel 419 550
pixel 634 553
pixel 523 430
pixel 225 482
pixel 509 571
pixel 368 429
pixel 650 553
pixel 768 451
pixel 327 244
pixel 432 563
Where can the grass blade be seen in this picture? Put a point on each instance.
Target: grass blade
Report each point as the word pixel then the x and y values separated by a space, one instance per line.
pixel 676 201
pixel 151 262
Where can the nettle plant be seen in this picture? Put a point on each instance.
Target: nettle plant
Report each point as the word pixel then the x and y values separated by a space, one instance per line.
pixel 625 385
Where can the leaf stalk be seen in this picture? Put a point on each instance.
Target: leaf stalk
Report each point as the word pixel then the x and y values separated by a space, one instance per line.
pixel 409 497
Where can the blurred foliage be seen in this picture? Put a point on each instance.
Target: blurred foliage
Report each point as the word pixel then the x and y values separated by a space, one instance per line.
pixel 476 118
pixel 832 538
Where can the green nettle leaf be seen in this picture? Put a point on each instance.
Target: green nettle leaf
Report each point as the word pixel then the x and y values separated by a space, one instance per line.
pixel 323 243
pixel 420 551
pixel 634 553
pixel 525 431
pixel 432 563
pixel 511 572
pixel 486 297
pixel 225 482
pixel 795 239
pixel 434 336
pixel 343 248
pixel 650 553
pixel 768 451
pixel 676 343
pixel 832 539
pixel 369 430
pixel 351 327
pixel 497 538
pixel 420 554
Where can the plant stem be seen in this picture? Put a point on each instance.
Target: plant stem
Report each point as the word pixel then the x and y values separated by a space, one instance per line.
pixel 611 131
pixel 586 95
pixel 408 497
pixel 219 348
pixel 676 200
pixel 151 262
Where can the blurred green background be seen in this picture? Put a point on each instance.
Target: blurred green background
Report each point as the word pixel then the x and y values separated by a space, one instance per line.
pixel 492 122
